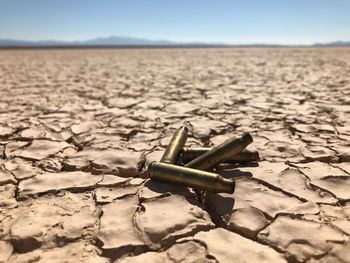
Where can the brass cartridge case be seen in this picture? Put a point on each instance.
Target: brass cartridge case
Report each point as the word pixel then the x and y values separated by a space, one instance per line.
pixel 197 179
pixel 176 144
pixel 189 154
pixel 220 153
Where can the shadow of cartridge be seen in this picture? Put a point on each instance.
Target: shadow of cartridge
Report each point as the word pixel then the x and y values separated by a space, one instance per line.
pixel 220 153
pixel 189 154
pixel 197 179
pixel 175 146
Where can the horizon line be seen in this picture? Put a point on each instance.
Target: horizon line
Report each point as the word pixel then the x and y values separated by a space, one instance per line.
pixel 166 42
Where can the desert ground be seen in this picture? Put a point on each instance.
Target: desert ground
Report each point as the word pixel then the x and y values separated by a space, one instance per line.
pixel 79 127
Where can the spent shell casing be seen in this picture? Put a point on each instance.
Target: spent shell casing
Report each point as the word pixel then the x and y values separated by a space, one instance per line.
pixel 197 179
pixel 220 153
pixel 191 153
pixel 175 146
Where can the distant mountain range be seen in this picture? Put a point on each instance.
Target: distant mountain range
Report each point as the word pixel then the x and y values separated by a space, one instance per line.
pixel 97 42
pixel 333 44
pixel 136 42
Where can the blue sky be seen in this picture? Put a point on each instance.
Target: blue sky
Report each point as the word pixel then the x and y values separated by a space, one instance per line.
pixel 246 21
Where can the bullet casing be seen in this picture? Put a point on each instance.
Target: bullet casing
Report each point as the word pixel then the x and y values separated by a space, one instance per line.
pixel 220 153
pixel 197 179
pixel 175 146
pixel 189 154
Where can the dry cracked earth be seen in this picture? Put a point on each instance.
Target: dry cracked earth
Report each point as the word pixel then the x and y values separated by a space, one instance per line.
pixel 78 128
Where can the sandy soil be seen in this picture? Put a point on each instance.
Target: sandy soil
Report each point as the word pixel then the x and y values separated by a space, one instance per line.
pixel 78 127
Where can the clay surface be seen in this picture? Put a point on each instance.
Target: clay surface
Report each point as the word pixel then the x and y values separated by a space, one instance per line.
pixel 79 127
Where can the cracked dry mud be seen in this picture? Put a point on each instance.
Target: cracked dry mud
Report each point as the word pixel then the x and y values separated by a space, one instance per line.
pixel 78 128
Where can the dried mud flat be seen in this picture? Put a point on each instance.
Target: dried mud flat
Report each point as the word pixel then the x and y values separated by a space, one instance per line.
pixel 78 128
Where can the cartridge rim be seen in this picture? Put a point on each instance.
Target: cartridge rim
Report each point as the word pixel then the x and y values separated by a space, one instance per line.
pixel 247 138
